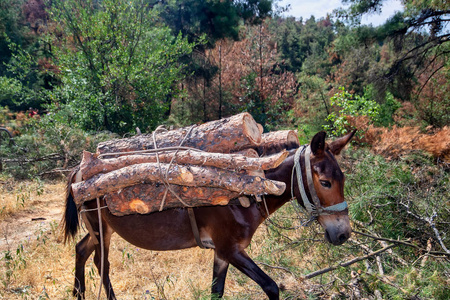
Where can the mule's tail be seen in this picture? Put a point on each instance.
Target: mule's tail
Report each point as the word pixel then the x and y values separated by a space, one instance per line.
pixel 70 220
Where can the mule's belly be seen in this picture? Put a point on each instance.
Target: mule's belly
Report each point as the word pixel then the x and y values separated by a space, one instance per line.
pixel 166 230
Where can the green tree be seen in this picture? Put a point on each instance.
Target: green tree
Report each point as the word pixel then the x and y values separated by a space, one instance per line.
pixel 349 105
pixel 118 65
pixel 11 29
pixel 413 41
pixel 214 18
pixel 303 47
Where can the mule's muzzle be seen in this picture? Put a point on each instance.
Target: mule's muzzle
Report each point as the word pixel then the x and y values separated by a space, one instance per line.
pixel 337 239
pixel 337 228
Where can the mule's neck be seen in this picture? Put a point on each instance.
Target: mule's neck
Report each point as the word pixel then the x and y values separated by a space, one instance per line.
pixel 282 173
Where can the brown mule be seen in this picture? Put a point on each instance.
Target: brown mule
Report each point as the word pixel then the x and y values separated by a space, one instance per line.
pixel 228 229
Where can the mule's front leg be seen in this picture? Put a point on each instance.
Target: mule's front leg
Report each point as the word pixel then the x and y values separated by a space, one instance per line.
pixel 219 276
pixel 246 265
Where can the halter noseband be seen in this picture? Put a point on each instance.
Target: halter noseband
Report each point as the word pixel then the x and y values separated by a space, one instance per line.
pixel 314 208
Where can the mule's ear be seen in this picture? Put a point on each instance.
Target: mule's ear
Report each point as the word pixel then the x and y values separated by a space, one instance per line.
pixel 318 143
pixel 339 144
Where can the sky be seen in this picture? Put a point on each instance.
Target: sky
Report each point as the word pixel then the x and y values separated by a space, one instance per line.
pixel 320 8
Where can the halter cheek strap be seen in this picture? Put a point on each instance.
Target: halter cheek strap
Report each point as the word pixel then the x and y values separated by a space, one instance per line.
pixel 313 206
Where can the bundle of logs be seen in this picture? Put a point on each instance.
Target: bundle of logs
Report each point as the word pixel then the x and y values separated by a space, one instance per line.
pixel 203 165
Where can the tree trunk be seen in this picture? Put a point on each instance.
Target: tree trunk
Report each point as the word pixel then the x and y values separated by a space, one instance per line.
pixel 276 141
pixel 90 165
pixel 147 198
pixel 102 184
pixel 224 136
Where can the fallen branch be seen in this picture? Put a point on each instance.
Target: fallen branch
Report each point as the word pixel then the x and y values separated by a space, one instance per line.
pixel 347 263
pixel 402 243
pixel 52 156
pixel 276 267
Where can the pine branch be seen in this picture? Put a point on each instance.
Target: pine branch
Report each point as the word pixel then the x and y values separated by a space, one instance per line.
pixel 348 263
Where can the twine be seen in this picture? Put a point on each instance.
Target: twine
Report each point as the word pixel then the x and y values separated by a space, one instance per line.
pixel 164 177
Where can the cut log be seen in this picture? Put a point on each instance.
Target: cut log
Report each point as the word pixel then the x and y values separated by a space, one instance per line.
pixel 91 166
pixel 261 128
pixel 276 141
pixel 102 184
pixel 226 135
pixel 249 152
pixel 147 198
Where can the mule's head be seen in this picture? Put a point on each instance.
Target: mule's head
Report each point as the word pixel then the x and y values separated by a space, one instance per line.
pixel 328 181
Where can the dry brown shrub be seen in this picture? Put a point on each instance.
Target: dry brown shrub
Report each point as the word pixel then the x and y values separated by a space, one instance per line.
pixel 392 143
pixel 437 143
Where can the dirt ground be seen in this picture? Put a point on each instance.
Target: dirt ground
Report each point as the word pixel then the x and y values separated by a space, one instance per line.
pixel 25 224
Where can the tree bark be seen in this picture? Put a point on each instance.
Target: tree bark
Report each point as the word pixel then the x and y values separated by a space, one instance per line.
pixel 276 141
pixel 90 165
pixel 224 136
pixel 102 184
pixel 147 198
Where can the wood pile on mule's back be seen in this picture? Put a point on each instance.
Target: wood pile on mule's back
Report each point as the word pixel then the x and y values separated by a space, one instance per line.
pixel 203 165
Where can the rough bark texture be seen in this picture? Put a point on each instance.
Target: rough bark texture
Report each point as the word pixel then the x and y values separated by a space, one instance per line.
pixel 224 136
pixel 276 141
pixel 249 152
pixel 147 198
pixel 102 184
pixel 90 165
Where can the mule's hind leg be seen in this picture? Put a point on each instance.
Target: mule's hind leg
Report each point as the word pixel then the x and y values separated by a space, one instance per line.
pixel 107 232
pixel 219 276
pixel 83 250
pixel 246 265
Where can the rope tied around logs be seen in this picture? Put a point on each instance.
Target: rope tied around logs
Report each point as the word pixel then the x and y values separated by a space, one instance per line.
pixel 157 151
pixel 164 178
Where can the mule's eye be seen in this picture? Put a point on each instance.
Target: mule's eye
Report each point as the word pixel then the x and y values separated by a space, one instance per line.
pixel 325 184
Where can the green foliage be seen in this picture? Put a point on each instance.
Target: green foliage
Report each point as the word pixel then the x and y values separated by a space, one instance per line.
pixel 22 88
pixel 252 100
pixel 303 47
pixel 118 65
pixel 47 147
pixel 12 28
pixel 396 198
pixel 350 105
pixel 215 19
pixel 387 110
pixel 10 89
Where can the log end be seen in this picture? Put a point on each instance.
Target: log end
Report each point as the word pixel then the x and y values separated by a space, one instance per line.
pixel 251 129
pixel 281 157
pixel 292 139
pixel 274 187
pixel 244 201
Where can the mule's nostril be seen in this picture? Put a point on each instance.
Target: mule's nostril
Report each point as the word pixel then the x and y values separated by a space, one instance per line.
pixel 342 238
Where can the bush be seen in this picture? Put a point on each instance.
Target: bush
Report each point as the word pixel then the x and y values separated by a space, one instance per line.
pixel 46 147
pixel 349 105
